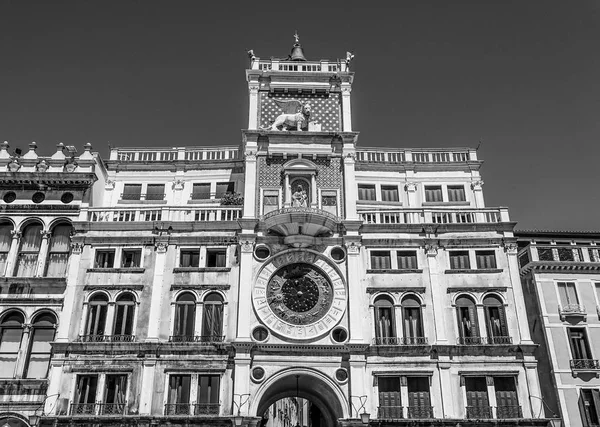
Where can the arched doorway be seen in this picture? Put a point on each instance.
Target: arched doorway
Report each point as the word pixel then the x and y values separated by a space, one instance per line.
pixel 7 420
pixel 325 396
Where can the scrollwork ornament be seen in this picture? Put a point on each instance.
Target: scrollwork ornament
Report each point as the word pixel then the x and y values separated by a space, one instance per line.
pixel 178 184
pixel 109 184
pixel 16 234
pixel 353 248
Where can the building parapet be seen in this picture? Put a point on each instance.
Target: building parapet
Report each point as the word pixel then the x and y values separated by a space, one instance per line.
pixel 397 156
pixel 187 154
pixel 164 213
pixel 322 66
pixel 434 216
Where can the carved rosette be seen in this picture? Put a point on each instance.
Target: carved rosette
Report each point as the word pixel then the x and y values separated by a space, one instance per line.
pixel 299 295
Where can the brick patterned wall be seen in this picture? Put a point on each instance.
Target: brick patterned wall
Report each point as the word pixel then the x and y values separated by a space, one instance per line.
pixel 325 109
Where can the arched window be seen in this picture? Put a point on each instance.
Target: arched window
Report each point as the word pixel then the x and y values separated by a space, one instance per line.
pixel 42 334
pixel 5 241
pixel 467 321
pixel 495 319
pixel 124 315
pixel 385 330
pixel 212 318
pixel 413 321
pixel 58 251
pixel 11 332
pixel 29 249
pixel 96 319
pixel 185 318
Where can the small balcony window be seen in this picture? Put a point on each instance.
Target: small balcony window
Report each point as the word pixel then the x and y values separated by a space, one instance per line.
pixel 189 258
pixel 385 330
pixel 389 193
pixel 185 318
pixel 569 301
pixel 201 191
pixel 85 395
pixel 155 192
pixel 114 395
pixel 485 259
pixel 467 321
pixel 433 193
pixel 478 404
pixel 208 395
pixel 132 192
pixel 419 401
pixel 224 187
pixel 390 401
pixel 456 193
pixel 459 260
pixel 58 250
pixel 381 260
pixel 179 395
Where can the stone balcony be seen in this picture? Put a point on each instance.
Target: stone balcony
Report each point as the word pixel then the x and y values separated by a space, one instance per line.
pixel 301 225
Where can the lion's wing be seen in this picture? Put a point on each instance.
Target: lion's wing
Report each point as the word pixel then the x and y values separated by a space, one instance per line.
pixel 289 107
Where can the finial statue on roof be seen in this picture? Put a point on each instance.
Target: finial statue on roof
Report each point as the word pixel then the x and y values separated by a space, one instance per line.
pixel 297 37
pixel 349 58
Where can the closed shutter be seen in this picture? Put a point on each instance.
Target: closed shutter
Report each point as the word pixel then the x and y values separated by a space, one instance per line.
pixel 390 404
pixel 473 320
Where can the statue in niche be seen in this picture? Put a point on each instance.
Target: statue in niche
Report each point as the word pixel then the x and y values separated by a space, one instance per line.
pixel 295 115
pixel 299 198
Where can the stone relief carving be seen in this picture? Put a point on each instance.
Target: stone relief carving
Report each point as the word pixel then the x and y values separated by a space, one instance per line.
pixel 410 187
pixel 76 247
pixel 295 115
pixel 431 249
pixel 178 184
pixel 161 247
pixel 477 185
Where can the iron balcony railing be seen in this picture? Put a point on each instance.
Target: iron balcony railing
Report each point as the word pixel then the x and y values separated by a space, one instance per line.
pixel 469 340
pixel 111 408
pixel 479 412
pixel 585 364
pixel 178 409
pixel 496 340
pixel 83 408
pixel 414 341
pixel 206 409
pixel 197 338
pixel 400 341
pixel 420 412
pixel 390 412
pixel 509 411
pixel 433 216
pixel 106 338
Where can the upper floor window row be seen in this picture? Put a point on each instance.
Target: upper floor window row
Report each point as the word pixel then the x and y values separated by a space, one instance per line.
pixel 118 258
pixel 203 256
pixel 431 193
pixel 156 192
pixel 445 193
pixel 33 251
pixel 463 260
pixel 393 260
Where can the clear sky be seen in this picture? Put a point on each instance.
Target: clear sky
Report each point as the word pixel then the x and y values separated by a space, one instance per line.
pixel 521 76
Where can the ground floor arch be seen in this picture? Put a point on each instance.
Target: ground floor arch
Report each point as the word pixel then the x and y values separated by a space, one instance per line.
pixel 12 420
pixel 307 384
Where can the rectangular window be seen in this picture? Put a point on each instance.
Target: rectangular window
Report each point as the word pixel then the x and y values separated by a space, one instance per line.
pixel 208 395
pixel 589 407
pixel 433 193
pixel 179 395
pixel 478 404
pixel 132 191
pixel 485 259
pixel 567 295
pixel 131 258
pixel 456 193
pixel 201 191
pixel 389 193
pixel 381 260
pixel 85 395
pixel 419 401
pixel 270 201
pixel 39 353
pixel 329 201
pixel 10 342
pixel 390 402
pixel 507 403
pixel 155 192
pixel 189 258
pixel 407 260
pixel 114 395
pixel 224 187
pixel 366 192
pixel 105 258
pixel 459 260
pixel 580 347
pixel 216 257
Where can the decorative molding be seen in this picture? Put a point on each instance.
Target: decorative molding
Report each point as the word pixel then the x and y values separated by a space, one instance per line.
pixel 201 269
pixel 410 187
pixel 475 271
pixel 109 184
pixel 114 287
pixel 511 248
pixel 178 184
pixel 396 289
pixel 431 250
pixel 161 247
pixel 398 271
pixel 133 270
pixel 76 247
pixel 477 185
pixel 203 287
pixel 452 289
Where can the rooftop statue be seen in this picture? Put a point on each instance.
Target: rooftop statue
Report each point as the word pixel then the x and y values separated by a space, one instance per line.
pixel 295 115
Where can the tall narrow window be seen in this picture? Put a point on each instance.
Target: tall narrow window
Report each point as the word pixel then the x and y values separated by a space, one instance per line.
pixel 216 257
pixel 155 192
pixel 132 192
pixel 433 193
pixel 459 260
pixel 507 402
pixel 495 318
pixel 179 395
pixel 467 321
pixel 208 395
pixel 329 201
pixel 366 192
pixel 40 350
pixel 385 331
pixel 201 191
pixel 185 317
pixel 212 318
pixel 270 201
pixel 456 193
pixel 114 395
pixel 11 332
pixel 419 400
pixel 85 395
pixel 381 260
pixel 96 319
pixel 389 193
pixel 29 249
pixel 58 250
pixel 413 325
pixel 5 242
pixel 580 347
pixel 478 404
pixel 589 407
pixel 124 315
pixel 390 402
pixel 568 297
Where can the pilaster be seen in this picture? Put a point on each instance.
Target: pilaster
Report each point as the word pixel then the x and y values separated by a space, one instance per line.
pixel 357 305
pixel 157 291
pixel 245 286
pixel 437 293
pixel 62 333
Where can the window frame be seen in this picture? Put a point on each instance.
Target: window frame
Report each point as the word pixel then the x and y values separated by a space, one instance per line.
pixel 218 251
pixel 362 187
pixel 380 253
pixel 452 254
pixel 98 251
pixel 480 255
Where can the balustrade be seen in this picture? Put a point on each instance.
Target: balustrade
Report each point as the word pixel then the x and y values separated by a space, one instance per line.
pixel 433 216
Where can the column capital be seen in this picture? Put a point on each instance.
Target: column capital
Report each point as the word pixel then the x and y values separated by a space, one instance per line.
pixel 410 187
pixel 76 247
pixel 178 183
pixel 46 234
pixel 247 244
pixel 510 248
pixel 161 247
pixel 16 234
pixel 431 249
pixel 353 247
pixel 477 185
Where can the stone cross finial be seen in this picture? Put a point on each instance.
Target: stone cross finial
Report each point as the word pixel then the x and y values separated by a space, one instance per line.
pixel 297 37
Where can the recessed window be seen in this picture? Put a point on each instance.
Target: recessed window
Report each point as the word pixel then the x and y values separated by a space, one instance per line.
pixel 270 201
pixel 433 193
pixel 224 187
pixel 216 257
pixel 201 191
pixel 338 254
pixel 155 192
pixel 38 197
pixel 105 258
pixel 459 260
pixel 258 373
pixel 260 333
pixel 9 197
pixel 339 335
pixel 66 198
pixel 485 259
pixel 262 252
pixel 341 375
pixel 132 192
pixel 131 258
pixel 389 193
pixel 456 193
pixel 407 260
pixel 366 192
pixel 189 258
pixel 381 260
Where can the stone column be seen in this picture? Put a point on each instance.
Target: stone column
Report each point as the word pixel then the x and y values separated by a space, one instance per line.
pixel 54 383
pixel 518 297
pixel 11 259
pixel 43 253
pixel 157 292
pixel 287 193
pixel 64 324
pixel 23 349
pixel 447 405
pixel 250 178
pixel 437 294
pixel 491 390
pixel 241 385
pixel 110 319
pixel 477 187
pixel 357 307
pixel 313 194
pixel 198 319
pixel 346 107
pixel 244 300
pixel 481 321
pixel 404 396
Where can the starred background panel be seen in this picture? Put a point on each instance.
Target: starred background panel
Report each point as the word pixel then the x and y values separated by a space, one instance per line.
pixel 325 109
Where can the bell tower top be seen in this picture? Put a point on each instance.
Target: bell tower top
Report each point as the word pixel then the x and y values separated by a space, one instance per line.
pixel 318 90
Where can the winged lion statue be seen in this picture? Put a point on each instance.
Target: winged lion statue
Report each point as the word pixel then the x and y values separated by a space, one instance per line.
pixel 295 115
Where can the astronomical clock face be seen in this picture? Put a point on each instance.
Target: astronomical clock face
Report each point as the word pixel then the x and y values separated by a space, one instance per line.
pixel 299 296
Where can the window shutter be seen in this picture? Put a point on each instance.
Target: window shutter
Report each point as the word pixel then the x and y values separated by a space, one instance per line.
pixel 583 410
pixel 473 319
pixel 503 324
